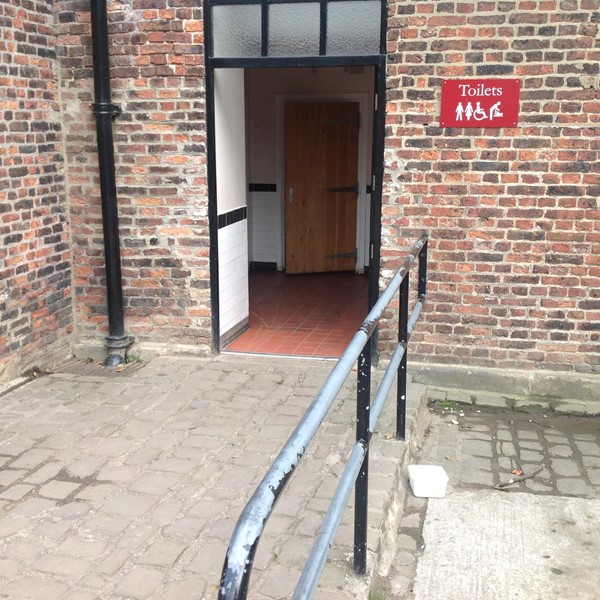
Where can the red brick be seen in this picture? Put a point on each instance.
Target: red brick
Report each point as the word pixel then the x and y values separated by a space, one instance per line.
pixel 35 262
pixel 513 214
pixel 539 201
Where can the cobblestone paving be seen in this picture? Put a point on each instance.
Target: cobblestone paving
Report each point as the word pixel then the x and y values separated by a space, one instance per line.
pixel 478 448
pixel 130 487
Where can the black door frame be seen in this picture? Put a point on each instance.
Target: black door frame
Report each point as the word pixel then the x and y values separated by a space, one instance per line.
pixel 378 140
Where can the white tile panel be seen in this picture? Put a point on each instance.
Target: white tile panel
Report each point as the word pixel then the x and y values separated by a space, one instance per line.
pixel 233 275
pixel 265 226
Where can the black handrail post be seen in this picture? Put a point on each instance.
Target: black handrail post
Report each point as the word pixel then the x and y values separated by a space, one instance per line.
pixel 361 488
pixel 402 341
pixel 422 289
pixel 117 340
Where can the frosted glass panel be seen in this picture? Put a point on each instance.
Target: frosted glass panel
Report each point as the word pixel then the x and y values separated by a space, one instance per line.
pixel 236 31
pixel 353 27
pixel 294 29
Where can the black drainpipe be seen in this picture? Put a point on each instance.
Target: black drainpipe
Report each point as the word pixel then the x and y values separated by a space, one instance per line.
pixel 117 340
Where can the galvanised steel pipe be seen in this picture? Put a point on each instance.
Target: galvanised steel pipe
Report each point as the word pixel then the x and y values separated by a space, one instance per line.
pixel 309 579
pixel 391 370
pixel 117 340
pixel 237 568
pixel 235 577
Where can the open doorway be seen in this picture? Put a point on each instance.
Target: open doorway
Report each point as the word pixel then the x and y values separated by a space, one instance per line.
pixel 286 52
pixel 308 169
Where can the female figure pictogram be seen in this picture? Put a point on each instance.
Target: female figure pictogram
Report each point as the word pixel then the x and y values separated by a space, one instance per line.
pixel 469 111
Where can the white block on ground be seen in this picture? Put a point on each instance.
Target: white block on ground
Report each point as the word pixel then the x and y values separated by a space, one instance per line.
pixel 427 481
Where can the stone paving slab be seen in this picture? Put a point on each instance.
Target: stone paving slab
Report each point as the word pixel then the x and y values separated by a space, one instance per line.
pixel 532 546
pixel 130 487
pixel 478 448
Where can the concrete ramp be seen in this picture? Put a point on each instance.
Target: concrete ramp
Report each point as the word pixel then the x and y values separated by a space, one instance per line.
pixel 491 545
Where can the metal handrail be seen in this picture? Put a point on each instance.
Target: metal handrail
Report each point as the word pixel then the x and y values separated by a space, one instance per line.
pixel 237 568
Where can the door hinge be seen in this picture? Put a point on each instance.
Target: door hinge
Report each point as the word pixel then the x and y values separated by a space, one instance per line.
pixel 352 188
pixel 346 121
pixel 344 255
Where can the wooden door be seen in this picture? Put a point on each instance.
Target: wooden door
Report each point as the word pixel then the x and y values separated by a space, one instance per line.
pixel 321 187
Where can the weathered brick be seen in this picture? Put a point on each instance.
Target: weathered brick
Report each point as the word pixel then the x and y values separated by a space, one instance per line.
pixel 31 179
pixel 500 207
pixel 159 140
pixel 519 205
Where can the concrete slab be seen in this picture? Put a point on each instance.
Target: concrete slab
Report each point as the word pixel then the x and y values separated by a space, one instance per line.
pixel 485 545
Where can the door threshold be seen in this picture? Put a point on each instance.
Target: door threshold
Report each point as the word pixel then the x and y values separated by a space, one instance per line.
pixel 294 356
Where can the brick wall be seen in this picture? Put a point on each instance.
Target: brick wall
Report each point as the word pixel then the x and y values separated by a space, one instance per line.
pixel 35 258
pixel 513 213
pixel 157 79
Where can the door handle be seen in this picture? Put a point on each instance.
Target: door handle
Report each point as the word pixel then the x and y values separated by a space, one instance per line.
pixel 291 195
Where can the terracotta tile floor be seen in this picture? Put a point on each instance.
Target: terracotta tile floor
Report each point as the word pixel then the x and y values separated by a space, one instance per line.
pixel 303 315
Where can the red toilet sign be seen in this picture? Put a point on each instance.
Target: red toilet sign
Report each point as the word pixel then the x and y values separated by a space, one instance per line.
pixel 480 103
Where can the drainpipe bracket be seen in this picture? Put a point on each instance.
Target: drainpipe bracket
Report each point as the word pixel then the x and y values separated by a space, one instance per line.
pixel 106 108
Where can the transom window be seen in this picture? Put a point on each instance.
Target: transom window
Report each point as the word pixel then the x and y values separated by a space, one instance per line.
pixel 292 28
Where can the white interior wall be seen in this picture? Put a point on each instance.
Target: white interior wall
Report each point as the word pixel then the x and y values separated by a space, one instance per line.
pixel 230 139
pixel 230 148
pixel 263 89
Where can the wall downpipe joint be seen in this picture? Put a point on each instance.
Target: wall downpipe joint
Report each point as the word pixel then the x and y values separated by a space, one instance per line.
pixel 117 341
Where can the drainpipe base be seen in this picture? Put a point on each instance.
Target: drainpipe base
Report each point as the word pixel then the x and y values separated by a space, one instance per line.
pixel 117 350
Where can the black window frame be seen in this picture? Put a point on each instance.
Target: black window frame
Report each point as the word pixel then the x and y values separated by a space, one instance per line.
pixel 217 62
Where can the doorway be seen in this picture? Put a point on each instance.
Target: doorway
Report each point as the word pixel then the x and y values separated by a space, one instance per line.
pixel 323 40
pixel 308 156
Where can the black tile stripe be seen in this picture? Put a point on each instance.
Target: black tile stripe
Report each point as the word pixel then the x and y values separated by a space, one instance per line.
pixel 233 216
pixel 262 187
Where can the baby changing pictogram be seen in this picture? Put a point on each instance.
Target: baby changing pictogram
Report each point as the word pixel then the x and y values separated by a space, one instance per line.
pixel 480 103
